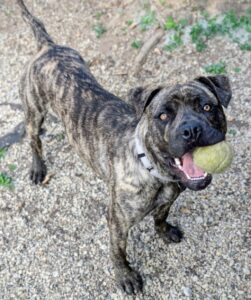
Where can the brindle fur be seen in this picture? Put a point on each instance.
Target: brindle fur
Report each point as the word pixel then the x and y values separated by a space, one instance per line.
pixel 102 129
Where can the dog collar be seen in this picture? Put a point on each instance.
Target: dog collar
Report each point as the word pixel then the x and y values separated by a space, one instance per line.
pixel 146 162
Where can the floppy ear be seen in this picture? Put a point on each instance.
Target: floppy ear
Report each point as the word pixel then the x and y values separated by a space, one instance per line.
pixel 141 97
pixel 219 85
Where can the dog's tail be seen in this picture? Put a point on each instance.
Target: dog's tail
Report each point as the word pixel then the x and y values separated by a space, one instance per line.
pixel 39 31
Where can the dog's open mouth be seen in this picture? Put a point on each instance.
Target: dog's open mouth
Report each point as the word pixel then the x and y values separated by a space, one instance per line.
pixel 187 166
pixel 191 176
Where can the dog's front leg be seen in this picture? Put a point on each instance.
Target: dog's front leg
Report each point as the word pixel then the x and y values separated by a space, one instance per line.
pixel 123 214
pixel 167 195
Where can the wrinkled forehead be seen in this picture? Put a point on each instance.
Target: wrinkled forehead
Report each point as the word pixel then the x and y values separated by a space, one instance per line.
pixel 189 93
pixel 196 91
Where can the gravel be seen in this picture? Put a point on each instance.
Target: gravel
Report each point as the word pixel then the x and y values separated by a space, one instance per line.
pixel 54 238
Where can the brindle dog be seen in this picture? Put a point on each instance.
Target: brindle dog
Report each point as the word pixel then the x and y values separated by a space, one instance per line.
pixel 143 150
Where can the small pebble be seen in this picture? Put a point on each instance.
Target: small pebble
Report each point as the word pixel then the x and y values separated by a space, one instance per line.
pixel 187 291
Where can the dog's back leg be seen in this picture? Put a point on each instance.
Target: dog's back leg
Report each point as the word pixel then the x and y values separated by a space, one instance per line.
pixel 35 111
pixel 38 168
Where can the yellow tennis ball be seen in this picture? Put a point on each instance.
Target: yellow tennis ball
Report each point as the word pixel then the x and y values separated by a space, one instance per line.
pixel 214 159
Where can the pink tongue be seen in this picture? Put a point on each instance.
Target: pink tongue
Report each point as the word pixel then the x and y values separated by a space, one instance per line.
pixel 189 168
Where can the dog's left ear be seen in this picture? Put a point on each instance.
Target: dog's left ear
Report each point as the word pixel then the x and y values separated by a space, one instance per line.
pixel 219 85
pixel 141 97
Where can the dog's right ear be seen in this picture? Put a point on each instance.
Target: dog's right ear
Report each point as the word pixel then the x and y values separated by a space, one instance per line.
pixel 141 97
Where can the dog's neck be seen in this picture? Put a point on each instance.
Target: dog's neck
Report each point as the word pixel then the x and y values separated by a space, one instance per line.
pixel 141 154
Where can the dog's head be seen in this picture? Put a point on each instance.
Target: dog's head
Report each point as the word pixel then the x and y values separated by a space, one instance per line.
pixel 175 120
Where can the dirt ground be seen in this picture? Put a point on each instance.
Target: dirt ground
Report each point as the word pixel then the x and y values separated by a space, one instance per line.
pixel 54 238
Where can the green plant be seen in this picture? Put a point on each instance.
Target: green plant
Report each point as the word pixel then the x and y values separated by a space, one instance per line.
pixel 162 2
pixel 228 24
pixel 232 131
pixel 12 167
pixel 136 44
pixel 60 136
pixel 237 28
pixel 205 14
pixel 245 46
pixel 175 42
pixel 204 30
pixel 170 23
pixel 182 23
pixel 98 15
pixel 147 20
pixel 218 68
pixel 200 46
pixel 237 70
pixel 99 29
pixel 175 39
pixel 2 152
pixel 129 22
pixel 6 181
pixel 230 21
pixel 197 37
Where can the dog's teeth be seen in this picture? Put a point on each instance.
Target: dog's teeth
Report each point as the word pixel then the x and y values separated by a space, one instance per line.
pixel 198 178
pixel 177 161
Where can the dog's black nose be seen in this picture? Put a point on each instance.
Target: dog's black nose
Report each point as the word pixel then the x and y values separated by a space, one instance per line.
pixel 191 132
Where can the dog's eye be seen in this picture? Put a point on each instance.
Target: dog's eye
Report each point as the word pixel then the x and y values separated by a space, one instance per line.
pixel 207 107
pixel 163 117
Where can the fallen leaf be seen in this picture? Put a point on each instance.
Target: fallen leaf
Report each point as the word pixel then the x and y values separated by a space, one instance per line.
pixel 48 178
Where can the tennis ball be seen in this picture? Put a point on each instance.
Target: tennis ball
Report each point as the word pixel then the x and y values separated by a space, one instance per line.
pixel 215 158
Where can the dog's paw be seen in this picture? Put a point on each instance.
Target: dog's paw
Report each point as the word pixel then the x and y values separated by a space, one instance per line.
pixel 174 234
pixel 38 173
pixel 131 282
pixel 169 233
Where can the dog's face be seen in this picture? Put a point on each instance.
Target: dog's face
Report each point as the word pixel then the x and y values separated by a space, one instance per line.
pixel 181 118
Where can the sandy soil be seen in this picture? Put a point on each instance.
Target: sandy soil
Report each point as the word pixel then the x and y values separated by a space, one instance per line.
pixel 54 239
